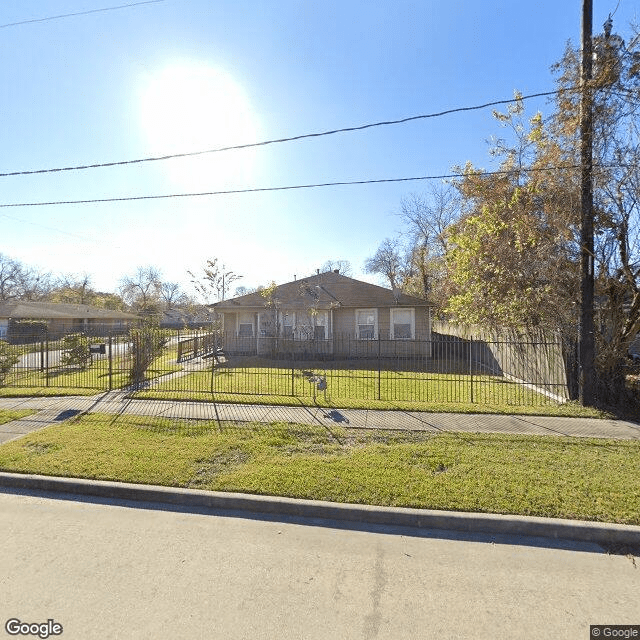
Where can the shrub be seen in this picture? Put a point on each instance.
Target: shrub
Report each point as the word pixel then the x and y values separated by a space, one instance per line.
pixel 75 351
pixel 147 344
pixel 8 358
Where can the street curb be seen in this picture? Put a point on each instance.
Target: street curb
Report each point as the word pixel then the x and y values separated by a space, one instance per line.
pixel 576 530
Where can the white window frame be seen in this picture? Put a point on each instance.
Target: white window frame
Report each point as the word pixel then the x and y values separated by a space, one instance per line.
pixel 412 323
pixel 325 323
pixel 375 323
pixel 292 323
pixel 239 318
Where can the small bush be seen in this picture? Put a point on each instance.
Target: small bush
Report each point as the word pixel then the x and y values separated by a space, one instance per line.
pixel 8 358
pixel 76 351
pixel 147 344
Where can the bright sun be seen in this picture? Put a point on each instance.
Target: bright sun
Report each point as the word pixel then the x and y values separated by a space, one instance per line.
pixel 194 107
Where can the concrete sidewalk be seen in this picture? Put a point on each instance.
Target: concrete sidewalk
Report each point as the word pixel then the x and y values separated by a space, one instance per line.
pixel 58 409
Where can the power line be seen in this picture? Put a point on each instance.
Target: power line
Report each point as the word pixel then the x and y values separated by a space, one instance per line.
pixel 48 228
pixel 283 188
pixel 78 13
pixel 98 165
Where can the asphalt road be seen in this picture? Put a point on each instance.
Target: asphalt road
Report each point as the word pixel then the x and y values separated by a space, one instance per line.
pixel 106 569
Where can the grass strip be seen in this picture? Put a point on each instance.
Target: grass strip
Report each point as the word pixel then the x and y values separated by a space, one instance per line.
pixel 8 415
pixel 589 479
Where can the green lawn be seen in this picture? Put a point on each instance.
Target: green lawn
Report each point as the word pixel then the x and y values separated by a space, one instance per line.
pixel 63 381
pixel 7 415
pixel 361 389
pixel 532 475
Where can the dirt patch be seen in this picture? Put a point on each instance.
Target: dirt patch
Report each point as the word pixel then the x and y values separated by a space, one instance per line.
pixel 39 448
pixel 210 469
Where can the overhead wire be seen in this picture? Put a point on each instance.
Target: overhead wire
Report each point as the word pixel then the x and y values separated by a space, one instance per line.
pixel 79 13
pixel 263 143
pixel 480 173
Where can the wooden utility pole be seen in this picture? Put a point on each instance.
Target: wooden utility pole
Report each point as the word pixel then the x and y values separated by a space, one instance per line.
pixel 586 352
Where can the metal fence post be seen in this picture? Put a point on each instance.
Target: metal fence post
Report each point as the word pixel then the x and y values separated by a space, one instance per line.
pixel 110 362
pixel 379 367
pixel 46 360
pixel 471 364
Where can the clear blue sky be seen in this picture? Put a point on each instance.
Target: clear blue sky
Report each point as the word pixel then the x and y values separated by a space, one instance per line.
pixel 186 75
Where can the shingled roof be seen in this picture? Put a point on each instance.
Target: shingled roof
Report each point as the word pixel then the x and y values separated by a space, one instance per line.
pixel 20 309
pixel 324 291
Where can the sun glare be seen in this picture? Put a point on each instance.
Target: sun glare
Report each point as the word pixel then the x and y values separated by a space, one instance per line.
pixel 193 107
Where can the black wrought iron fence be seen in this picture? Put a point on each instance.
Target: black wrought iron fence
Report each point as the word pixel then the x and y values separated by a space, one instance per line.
pixel 442 370
pixel 97 358
pixel 204 365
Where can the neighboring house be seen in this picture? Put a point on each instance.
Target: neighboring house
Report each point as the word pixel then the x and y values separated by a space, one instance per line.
pixel 63 318
pixel 181 318
pixel 326 314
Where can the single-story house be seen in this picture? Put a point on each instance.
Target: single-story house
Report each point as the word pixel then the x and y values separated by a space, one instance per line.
pixel 182 318
pixel 325 314
pixel 62 318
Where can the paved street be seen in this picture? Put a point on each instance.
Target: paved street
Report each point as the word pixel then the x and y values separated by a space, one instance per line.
pixel 109 570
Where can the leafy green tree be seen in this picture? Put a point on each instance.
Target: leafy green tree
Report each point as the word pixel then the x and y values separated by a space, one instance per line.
pixel 515 253
pixel 511 258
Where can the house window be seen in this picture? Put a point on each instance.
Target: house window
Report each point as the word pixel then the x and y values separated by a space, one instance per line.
pixel 403 325
pixel 321 320
pixel 366 324
pixel 245 325
pixel 288 319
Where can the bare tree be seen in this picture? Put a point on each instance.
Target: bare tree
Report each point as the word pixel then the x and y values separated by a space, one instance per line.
pixel 22 282
pixel 343 266
pixel 10 276
pixel 141 290
pixel 387 262
pixel 73 290
pixel 427 218
pixel 215 280
pixel 616 185
pixel 172 295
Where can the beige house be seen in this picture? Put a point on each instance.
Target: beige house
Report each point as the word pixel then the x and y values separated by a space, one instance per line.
pixel 63 318
pixel 326 314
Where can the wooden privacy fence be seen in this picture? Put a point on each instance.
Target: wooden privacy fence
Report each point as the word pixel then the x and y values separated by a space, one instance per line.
pixel 533 358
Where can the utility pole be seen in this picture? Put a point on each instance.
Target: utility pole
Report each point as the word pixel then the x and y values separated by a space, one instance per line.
pixel 586 351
